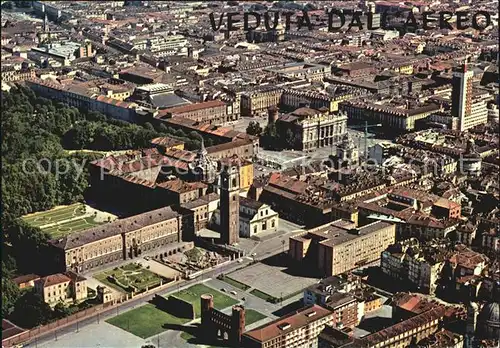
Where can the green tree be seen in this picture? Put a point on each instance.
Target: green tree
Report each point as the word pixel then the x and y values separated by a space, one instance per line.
pixel 7 5
pixel 62 311
pixel 10 291
pixel 289 140
pixel 254 128
pixel 28 240
pixel 149 126
pixel 79 137
pixel 30 310
pixel 270 138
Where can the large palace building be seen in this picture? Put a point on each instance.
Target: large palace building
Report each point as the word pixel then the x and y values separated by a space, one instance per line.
pixel 118 240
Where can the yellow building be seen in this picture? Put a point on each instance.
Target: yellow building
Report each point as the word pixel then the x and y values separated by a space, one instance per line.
pixel 246 175
pixel 245 169
pixel 167 143
pixel 406 69
pixel 62 287
pixel 256 102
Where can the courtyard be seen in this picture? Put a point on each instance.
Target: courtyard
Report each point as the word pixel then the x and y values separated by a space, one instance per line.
pixel 129 278
pixel 64 220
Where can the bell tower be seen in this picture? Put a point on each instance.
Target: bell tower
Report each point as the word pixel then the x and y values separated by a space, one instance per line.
pixel 230 204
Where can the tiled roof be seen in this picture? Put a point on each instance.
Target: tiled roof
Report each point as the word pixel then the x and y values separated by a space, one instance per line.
pixel 180 186
pixel 25 278
pixel 194 107
pixel 54 279
pixel 166 141
pixel 468 259
pixel 288 323
pixel 405 326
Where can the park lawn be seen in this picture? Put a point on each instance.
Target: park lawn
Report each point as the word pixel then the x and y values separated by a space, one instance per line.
pixel 145 321
pixel 263 295
pixel 152 278
pixel 252 316
pixel 235 283
pixel 192 295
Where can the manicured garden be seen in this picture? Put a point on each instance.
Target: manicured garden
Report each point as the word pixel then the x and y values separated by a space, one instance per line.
pixel 129 278
pixel 62 221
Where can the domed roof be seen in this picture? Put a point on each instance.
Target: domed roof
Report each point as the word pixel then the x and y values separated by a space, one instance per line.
pixel 488 321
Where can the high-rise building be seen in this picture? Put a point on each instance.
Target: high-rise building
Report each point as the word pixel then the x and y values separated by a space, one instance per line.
pixel 229 204
pixel 461 96
pixel 469 112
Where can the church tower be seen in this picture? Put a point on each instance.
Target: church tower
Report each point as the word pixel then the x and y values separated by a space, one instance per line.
pixel 347 151
pixel 203 168
pixel 229 204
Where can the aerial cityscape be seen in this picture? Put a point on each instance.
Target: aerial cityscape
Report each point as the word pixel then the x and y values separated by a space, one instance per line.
pixel 254 174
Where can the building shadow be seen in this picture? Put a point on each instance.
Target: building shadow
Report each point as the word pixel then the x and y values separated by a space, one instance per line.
pixel 304 272
pixel 289 308
pixel 196 339
pixel 282 260
pixel 378 279
pixel 278 260
pixel 375 324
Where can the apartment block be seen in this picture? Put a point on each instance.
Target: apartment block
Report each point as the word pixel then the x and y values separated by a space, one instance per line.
pixel 339 246
pixel 297 329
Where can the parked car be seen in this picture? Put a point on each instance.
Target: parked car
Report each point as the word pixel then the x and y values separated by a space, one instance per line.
pixel 223 290
pixel 233 293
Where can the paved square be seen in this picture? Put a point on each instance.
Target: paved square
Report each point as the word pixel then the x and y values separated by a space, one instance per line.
pixel 272 280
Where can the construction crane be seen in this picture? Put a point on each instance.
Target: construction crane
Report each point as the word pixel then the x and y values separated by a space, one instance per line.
pixel 365 128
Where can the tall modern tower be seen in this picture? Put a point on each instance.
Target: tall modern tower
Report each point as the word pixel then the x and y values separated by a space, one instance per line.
pixel 229 204
pixel 461 96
